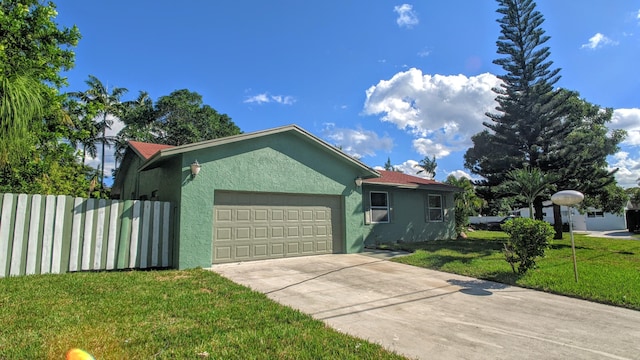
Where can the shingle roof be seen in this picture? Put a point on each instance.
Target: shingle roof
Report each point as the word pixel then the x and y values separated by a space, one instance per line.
pixel 147 150
pixel 398 179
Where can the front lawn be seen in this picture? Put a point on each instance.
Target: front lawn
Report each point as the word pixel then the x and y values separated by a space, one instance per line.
pixel 608 269
pixel 193 314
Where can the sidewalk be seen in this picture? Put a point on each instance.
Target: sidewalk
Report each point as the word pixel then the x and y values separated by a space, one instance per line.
pixel 614 234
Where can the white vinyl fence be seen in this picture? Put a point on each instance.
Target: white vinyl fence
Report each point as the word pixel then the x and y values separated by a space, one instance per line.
pixel 42 234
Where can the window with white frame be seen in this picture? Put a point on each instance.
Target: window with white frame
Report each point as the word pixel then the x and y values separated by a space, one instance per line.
pixel 379 206
pixel 434 208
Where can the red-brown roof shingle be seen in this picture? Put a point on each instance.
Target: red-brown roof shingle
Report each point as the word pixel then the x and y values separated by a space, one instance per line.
pixel 398 178
pixel 147 150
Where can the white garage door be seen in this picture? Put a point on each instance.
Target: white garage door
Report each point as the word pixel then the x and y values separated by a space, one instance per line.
pixel 256 226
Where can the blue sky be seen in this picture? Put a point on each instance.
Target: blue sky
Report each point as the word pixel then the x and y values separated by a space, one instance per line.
pixel 381 79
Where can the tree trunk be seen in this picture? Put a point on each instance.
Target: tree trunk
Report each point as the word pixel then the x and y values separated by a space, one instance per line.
pixel 537 204
pixel 557 222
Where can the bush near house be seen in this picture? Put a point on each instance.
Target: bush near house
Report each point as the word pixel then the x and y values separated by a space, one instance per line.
pixel 528 239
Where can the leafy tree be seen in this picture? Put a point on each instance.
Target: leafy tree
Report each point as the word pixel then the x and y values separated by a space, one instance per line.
pixel 176 119
pixel 184 119
pixel 33 51
pixel 530 122
pixel 467 203
pixel 583 164
pixel 109 106
pixel 54 171
pixel 428 166
pixel 21 103
pixel 31 42
pixel 634 195
pixel 610 198
pixel 528 184
pixel 139 124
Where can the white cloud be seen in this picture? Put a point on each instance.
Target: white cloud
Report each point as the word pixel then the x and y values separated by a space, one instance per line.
pixel 460 174
pixel 629 120
pixel 357 142
pixel 265 98
pixel 628 169
pixel 446 110
pixel 406 16
pixel 410 167
pixel 598 40
pixel 428 147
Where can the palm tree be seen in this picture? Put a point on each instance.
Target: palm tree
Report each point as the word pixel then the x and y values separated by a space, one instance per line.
pixel 428 166
pixel 529 183
pixel 85 131
pixel 108 105
pixel 467 202
pixel 21 104
pixel 138 119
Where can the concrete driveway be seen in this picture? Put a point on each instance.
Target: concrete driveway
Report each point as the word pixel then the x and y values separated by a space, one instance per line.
pixel 427 314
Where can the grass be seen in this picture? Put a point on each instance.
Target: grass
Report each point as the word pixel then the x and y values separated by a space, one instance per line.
pixel 194 314
pixel 608 269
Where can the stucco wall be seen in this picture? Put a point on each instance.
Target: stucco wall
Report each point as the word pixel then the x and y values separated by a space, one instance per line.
pixel 408 218
pixel 162 183
pixel 278 163
pixel 128 176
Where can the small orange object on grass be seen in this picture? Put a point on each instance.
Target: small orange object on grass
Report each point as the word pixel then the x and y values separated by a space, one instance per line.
pixel 79 354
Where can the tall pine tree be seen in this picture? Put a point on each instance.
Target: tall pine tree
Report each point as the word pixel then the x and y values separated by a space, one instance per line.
pixel 531 119
pixel 538 126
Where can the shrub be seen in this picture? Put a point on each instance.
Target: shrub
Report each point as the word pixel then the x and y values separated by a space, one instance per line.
pixel 528 239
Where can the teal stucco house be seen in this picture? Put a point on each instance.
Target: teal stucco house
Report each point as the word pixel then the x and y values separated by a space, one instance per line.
pixel 280 192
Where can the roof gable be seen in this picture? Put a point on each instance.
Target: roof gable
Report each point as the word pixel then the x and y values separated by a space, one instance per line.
pixel 165 153
pixel 147 150
pixel 402 180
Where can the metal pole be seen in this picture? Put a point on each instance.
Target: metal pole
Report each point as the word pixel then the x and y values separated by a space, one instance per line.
pixel 573 246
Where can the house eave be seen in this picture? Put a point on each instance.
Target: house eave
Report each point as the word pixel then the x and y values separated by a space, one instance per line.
pixel 436 187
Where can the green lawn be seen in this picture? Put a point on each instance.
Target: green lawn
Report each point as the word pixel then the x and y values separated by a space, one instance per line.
pixel 193 314
pixel 608 269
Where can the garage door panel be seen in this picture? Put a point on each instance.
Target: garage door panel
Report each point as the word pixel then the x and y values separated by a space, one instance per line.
pixel 307 215
pixel 251 226
pixel 322 246
pixel 293 232
pixel 260 250
pixel 293 215
pixel 261 233
pixel 242 252
pixel 261 215
pixel 293 248
pixel 277 214
pixel 223 234
pixel 243 214
pixel 277 249
pixel 223 215
pixel 222 253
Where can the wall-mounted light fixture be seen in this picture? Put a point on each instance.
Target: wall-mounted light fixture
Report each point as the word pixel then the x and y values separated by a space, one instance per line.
pixel 195 168
pixel 358 181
